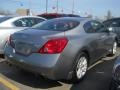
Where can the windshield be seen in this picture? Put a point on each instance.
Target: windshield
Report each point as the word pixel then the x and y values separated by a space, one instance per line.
pixel 57 25
pixel 2 19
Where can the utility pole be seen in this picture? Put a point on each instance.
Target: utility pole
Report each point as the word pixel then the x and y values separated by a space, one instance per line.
pixel 46 6
pixel 57 6
pixel 29 7
pixel 73 6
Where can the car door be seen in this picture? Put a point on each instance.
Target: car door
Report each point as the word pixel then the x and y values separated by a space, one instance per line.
pixel 105 38
pixel 95 41
pixel 101 40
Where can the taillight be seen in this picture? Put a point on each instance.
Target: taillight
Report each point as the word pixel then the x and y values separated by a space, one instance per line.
pixel 54 46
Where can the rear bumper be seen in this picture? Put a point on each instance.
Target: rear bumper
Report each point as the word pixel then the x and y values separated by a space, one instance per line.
pixel 44 71
pixel 47 65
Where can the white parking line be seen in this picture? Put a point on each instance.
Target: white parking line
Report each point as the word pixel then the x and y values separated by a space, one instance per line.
pixel 2 60
pixel 101 61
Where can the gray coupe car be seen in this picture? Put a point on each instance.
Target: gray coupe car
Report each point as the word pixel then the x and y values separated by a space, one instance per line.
pixel 61 48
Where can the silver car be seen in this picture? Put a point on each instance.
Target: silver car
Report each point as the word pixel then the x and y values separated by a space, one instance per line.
pixel 61 48
pixel 9 25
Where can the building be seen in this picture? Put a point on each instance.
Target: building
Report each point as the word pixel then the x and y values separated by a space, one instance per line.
pixel 22 12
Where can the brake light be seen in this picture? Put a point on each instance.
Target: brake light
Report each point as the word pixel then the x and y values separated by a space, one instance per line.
pixel 54 46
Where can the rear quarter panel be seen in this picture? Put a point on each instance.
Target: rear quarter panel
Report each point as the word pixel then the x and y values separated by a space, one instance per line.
pixel 4 35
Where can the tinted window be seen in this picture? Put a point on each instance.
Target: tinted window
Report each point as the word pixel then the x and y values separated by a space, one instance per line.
pixel 93 27
pixel 2 19
pixel 87 27
pixel 112 23
pixel 27 22
pixel 115 24
pixel 57 25
pixel 37 20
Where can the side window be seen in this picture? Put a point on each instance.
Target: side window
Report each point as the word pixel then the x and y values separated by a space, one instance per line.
pixel 88 28
pixel 27 22
pixel 34 21
pixel 24 22
pixel 112 23
pixel 94 27
pixel 115 23
pixel 98 27
pixel 38 20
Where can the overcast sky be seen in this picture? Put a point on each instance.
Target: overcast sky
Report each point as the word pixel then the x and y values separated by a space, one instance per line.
pixel 95 7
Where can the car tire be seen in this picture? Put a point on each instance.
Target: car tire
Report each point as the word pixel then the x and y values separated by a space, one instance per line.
pixel 112 86
pixel 114 49
pixel 80 68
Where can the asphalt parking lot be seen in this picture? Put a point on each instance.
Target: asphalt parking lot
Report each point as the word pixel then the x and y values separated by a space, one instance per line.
pixel 97 78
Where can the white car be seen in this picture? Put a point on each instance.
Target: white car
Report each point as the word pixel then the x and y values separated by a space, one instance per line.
pixel 9 25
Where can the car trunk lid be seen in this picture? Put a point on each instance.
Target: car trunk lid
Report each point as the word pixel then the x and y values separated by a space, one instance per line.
pixel 28 41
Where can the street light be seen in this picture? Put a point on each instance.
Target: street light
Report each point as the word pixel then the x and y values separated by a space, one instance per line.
pixel 30 7
pixel 46 6
pixel 73 6
pixel 57 6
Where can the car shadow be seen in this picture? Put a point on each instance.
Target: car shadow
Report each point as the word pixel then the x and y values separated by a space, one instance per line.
pixel 97 78
pixel 27 78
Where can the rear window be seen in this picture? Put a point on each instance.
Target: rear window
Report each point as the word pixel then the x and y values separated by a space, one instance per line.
pixel 57 25
pixel 2 19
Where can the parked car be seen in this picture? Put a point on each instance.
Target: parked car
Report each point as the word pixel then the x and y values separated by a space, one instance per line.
pixel 9 25
pixel 114 25
pixel 115 84
pixel 56 15
pixel 1 15
pixel 61 48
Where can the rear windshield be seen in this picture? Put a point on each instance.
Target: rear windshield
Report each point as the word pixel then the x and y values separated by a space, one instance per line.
pixel 2 19
pixel 57 25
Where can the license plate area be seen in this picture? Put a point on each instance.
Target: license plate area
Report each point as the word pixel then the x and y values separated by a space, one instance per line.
pixel 22 48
